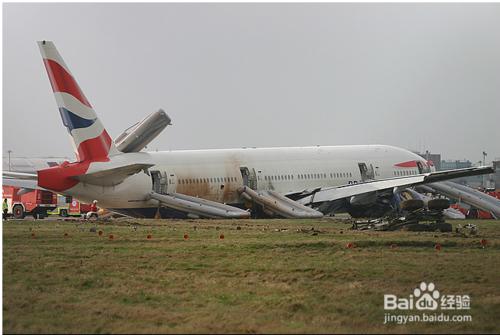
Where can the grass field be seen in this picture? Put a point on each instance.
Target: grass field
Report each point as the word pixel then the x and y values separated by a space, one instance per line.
pixel 264 276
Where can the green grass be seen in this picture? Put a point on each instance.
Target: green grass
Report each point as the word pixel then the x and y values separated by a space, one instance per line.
pixel 256 279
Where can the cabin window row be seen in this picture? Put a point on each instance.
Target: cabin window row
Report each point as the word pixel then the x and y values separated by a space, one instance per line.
pixel 309 176
pixel 207 180
pixel 400 173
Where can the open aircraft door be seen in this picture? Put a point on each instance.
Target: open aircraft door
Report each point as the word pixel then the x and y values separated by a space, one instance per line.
pixel 160 181
pixel 367 172
pixel 249 177
pixel 163 183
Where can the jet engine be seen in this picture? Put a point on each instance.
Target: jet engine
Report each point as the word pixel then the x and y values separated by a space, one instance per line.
pixel 137 136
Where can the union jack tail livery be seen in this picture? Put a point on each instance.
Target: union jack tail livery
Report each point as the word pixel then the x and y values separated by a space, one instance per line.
pixel 91 141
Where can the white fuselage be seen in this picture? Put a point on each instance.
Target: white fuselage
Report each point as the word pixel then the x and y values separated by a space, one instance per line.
pixel 217 174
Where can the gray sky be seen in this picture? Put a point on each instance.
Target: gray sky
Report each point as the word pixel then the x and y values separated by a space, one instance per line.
pixel 419 76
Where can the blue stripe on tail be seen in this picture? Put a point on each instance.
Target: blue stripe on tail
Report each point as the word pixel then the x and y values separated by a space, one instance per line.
pixel 73 121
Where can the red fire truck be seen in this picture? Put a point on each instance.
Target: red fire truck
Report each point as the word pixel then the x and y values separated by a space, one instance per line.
pixel 35 202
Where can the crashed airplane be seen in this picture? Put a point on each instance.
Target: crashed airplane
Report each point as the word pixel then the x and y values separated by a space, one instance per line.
pixel 290 182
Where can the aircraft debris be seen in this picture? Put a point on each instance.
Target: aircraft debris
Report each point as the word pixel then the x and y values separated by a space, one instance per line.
pixel 311 231
pixel 467 230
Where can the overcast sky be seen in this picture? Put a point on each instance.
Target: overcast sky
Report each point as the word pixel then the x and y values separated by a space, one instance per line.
pixel 419 76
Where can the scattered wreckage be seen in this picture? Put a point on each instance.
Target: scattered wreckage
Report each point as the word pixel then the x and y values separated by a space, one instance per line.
pixel 414 215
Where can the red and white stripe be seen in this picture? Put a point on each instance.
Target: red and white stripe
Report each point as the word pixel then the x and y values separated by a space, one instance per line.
pixel 91 143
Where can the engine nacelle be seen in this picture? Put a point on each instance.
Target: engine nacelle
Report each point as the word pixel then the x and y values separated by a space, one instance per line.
pixel 136 137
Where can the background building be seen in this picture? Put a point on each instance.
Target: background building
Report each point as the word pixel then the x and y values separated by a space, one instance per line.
pixel 435 158
pixel 496 175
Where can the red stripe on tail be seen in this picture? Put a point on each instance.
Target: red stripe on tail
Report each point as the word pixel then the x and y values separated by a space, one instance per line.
pixel 62 81
pixel 95 149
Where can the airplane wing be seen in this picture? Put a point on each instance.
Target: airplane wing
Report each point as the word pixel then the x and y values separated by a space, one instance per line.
pixel 334 193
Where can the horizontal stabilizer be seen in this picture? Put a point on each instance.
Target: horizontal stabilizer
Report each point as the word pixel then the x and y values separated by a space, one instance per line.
pixel 22 183
pixel 111 176
pixel 20 175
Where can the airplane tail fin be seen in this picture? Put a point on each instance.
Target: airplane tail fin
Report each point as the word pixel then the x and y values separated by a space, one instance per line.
pixel 90 140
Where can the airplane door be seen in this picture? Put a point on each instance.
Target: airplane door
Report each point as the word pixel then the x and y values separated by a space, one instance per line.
pixel 160 181
pixel 367 173
pixel 249 177
pixel 421 168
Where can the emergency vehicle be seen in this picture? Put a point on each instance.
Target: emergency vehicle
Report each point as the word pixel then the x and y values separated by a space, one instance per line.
pixel 28 202
pixel 67 206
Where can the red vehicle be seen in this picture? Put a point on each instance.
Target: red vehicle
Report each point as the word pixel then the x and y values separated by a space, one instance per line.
pixel 67 206
pixel 35 202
